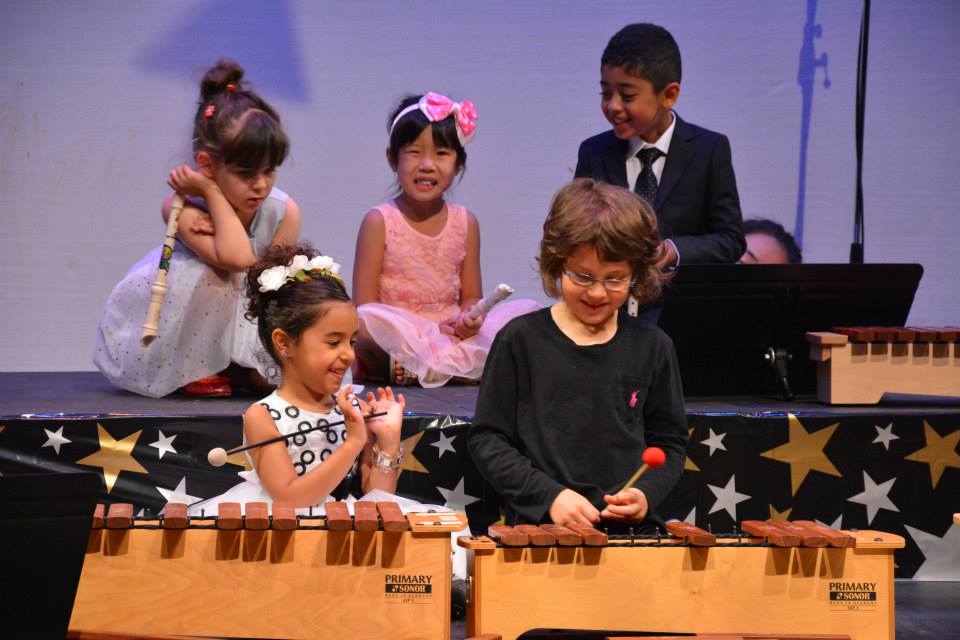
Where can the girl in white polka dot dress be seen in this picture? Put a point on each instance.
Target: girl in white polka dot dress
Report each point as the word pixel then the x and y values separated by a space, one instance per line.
pixel 308 324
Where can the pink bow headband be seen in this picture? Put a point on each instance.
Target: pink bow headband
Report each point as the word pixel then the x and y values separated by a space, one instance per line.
pixel 437 107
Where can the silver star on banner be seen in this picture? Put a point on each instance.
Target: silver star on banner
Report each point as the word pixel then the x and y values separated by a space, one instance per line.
pixel 444 444
pixel 715 441
pixel 942 554
pixel 179 494
pixel 455 498
pixel 164 444
pixel 727 498
pixel 55 439
pixel 885 435
pixel 874 496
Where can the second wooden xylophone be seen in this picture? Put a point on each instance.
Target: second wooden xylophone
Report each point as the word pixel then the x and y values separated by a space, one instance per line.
pixel 858 365
pixel 799 577
pixel 376 574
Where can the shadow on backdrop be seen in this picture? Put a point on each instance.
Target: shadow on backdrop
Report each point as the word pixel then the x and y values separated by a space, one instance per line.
pixel 806 78
pixel 261 36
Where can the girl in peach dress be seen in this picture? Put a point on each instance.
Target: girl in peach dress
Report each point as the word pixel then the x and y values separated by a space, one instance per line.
pixel 417 268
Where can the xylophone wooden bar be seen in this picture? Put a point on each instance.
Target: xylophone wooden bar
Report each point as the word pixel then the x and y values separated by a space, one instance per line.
pixel 858 365
pixel 508 536
pixel 229 517
pixel 284 517
pixel 365 516
pixel 539 537
pixel 256 516
pixel 174 516
pixel 565 537
pixel 745 583
pixel 97 517
pixel 272 576
pixel 392 517
pixel 834 538
pixel 773 534
pixel 119 516
pixel 338 516
pixel 590 536
pixel 691 535
pixel 806 536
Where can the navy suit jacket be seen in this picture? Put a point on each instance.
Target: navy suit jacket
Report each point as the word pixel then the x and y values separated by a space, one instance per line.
pixel 697 203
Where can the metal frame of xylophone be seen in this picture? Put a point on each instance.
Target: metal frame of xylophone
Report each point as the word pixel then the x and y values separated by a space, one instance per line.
pixel 800 578
pixel 857 365
pixel 377 574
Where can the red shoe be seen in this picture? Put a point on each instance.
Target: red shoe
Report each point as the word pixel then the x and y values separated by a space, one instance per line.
pixel 209 387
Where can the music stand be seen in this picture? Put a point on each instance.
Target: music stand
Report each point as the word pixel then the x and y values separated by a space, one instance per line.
pixel 44 527
pixel 728 321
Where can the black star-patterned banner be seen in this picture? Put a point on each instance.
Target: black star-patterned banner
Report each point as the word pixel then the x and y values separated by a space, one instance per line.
pixel 898 474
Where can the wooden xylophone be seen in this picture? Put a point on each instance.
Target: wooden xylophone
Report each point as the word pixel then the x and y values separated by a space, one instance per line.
pixel 774 577
pixel 857 365
pixel 377 574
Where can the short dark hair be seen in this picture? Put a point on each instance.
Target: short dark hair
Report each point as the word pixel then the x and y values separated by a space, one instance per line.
pixel 647 51
pixel 776 231
pixel 412 125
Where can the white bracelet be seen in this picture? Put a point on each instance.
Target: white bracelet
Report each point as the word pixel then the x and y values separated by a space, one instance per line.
pixel 385 462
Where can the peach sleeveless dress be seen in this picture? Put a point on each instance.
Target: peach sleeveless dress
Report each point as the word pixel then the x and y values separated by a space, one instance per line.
pixel 419 290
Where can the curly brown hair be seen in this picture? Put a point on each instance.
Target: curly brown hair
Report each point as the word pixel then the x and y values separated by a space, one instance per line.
pixel 618 223
pixel 296 305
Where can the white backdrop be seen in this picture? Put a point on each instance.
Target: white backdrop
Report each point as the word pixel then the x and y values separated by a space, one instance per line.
pixel 96 101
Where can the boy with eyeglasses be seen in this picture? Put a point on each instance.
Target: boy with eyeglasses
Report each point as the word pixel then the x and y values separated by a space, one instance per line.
pixel 573 394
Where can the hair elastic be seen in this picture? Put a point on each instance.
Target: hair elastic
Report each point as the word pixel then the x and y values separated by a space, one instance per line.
pixel 436 107
pixel 209 111
pixel 232 87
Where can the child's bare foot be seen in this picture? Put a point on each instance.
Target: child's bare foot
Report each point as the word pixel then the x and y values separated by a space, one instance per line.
pixel 400 377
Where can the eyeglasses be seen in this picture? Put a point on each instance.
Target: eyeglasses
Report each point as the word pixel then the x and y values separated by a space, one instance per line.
pixel 616 285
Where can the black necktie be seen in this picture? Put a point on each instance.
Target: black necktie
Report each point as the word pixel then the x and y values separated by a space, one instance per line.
pixel 646 186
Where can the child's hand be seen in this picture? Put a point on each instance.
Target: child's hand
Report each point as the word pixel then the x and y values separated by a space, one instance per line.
pixel 669 258
pixel 465 327
pixel 187 181
pixel 569 507
pixel 353 417
pixel 202 225
pixel 386 428
pixel 629 505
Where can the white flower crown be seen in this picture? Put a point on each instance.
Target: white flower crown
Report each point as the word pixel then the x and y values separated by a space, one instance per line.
pixel 299 269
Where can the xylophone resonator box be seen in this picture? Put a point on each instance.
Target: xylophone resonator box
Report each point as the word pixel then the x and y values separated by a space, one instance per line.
pixel 377 574
pixel 777 578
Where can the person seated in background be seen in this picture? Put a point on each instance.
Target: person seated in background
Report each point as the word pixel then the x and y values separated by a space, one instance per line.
pixel 769 243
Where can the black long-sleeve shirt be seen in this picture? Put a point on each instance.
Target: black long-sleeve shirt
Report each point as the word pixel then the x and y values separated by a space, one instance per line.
pixel 552 414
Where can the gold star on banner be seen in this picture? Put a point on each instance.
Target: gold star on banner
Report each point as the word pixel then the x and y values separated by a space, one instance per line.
pixel 114 456
pixel 780 515
pixel 939 453
pixel 688 464
pixel 410 463
pixel 241 460
pixel 804 452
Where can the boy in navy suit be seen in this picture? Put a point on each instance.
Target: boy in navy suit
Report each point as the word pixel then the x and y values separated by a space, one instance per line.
pixel 685 171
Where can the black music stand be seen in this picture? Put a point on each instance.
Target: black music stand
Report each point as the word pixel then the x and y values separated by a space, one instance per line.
pixel 45 523
pixel 732 324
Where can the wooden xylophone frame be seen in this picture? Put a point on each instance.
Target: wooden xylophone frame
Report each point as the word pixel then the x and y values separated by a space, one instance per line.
pixel 857 365
pixel 763 581
pixel 378 574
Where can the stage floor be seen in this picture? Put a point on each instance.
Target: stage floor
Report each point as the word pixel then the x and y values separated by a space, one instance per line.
pixel 89 393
